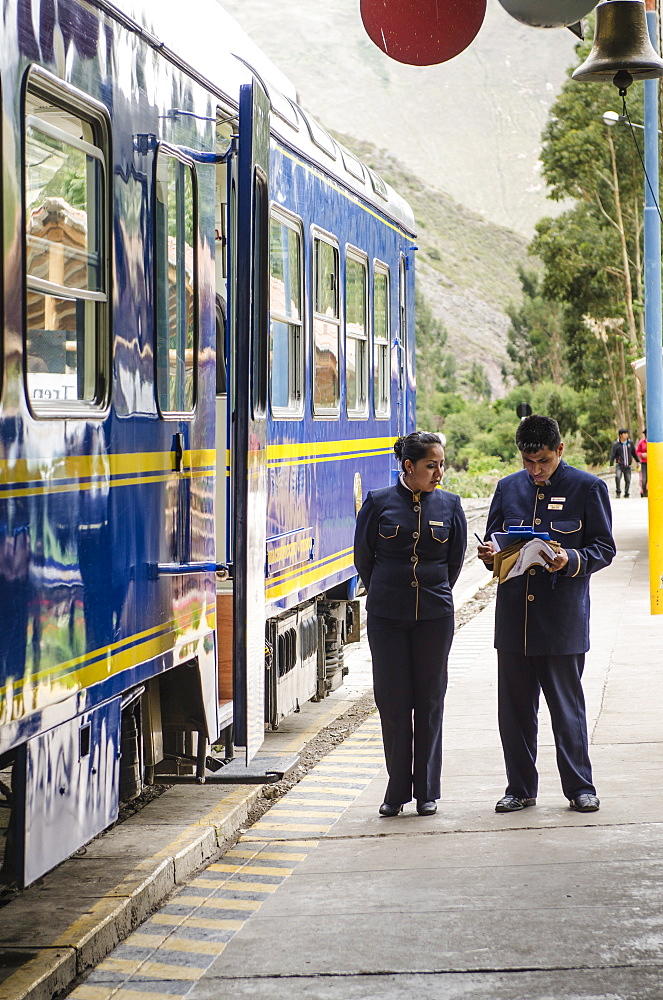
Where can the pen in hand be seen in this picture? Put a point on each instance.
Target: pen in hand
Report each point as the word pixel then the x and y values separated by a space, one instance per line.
pixel 479 540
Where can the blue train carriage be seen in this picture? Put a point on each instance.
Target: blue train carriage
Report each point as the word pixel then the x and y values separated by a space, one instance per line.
pixel 341 389
pixel 164 454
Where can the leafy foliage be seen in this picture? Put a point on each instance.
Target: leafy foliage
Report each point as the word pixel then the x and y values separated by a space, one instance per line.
pixel 436 366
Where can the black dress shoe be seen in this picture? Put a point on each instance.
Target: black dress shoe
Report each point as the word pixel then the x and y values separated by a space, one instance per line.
pixel 426 808
pixel 585 803
pixel 511 803
pixel 388 810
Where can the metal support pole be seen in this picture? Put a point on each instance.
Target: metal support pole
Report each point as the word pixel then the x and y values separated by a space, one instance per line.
pixel 653 344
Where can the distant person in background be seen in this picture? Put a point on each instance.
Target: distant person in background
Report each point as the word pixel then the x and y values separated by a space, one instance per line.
pixel 409 547
pixel 641 452
pixel 622 454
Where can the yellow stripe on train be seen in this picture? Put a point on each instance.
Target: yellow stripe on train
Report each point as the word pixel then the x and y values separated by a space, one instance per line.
pixel 307 578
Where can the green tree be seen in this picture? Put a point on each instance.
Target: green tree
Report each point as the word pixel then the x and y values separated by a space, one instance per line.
pixel 534 338
pixel 436 368
pixel 592 252
pixel 477 382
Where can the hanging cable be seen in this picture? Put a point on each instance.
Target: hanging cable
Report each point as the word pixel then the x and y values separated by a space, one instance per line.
pixel 644 169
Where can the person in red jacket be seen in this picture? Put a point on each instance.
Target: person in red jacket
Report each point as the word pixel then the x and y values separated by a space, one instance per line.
pixel 641 452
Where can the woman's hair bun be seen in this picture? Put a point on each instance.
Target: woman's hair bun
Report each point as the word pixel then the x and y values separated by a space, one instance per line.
pixel 398 448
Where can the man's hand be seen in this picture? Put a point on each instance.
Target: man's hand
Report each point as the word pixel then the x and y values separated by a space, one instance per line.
pixel 486 553
pixel 559 562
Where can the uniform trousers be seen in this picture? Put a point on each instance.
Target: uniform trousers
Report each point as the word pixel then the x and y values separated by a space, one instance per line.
pixel 520 681
pixel 409 683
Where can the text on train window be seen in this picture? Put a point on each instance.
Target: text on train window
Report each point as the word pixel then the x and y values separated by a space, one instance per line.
pixel 175 260
pixel 285 310
pixel 356 335
pixel 381 365
pixel 326 328
pixel 65 251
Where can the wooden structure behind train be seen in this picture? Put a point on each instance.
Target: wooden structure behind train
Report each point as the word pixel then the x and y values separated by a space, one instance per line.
pixel 207 353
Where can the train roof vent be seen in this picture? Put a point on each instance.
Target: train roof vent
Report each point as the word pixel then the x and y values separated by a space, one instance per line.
pixel 352 164
pixel 379 185
pixel 320 136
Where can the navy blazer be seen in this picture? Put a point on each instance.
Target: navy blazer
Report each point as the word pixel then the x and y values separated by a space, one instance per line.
pixel 542 613
pixel 409 550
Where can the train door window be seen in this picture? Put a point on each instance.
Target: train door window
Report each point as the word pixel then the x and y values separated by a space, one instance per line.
pixel 326 328
pixel 356 334
pixel 176 282
pixel 402 303
pixel 67 345
pixel 285 310
pixel 260 303
pixel 381 361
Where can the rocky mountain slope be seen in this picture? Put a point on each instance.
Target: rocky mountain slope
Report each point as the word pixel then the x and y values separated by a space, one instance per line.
pixel 460 141
pixel 467 267
pixel 470 127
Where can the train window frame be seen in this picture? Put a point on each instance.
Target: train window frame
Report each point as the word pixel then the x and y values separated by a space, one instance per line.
pixel 378 184
pixel 260 296
pixel 2 273
pixel 352 164
pixel 294 409
pixel 165 150
pixel 283 107
pixel 319 135
pixel 381 352
pixel 322 319
pixel 360 412
pixel 70 111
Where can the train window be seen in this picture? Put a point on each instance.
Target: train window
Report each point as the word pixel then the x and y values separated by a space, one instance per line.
pixel 326 329
pixel 176 284
pixel 378 184
pixel 260 304
pixel 283 107
pixel 285 310
pixel 352 164
pixel 356 335
pixel 381 365
pixel 67 329
pixel 320 136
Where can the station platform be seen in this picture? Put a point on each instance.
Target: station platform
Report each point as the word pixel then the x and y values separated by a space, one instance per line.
pixel 323 899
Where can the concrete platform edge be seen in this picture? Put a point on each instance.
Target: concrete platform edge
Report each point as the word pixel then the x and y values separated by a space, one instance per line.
pixel 110 920
pixel 93 935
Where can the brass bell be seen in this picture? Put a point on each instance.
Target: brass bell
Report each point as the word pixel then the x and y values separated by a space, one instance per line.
pixel 622 50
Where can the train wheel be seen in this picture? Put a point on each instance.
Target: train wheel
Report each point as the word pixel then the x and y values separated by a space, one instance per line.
pixel 131 784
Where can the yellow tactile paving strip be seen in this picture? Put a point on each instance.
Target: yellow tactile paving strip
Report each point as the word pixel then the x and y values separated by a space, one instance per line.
pixel 172 950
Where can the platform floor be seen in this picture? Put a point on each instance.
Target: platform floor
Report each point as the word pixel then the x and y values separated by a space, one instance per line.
pixel 323 899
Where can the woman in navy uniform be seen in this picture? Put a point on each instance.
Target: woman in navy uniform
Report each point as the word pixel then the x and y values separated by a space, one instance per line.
pixel 409 545
pixel 542 616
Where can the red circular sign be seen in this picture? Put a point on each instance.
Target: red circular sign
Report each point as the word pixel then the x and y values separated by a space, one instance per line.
pixel 422 32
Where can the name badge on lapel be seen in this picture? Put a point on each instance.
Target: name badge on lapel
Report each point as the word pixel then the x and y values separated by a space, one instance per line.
pixel 555 506
pixel 437 524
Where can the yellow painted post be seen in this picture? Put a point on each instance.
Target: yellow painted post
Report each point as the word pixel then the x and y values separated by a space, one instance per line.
pixel 655 496
pixel 653 324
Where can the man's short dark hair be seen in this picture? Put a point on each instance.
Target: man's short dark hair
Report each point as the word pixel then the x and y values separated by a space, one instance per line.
pixel 623 430
pixel 535 433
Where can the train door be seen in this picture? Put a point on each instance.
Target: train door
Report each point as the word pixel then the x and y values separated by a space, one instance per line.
pixel 402 347
pixel 249 332
pixel 226 126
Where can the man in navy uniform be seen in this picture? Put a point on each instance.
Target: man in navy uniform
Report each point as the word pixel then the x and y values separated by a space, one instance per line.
pixel 542 616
